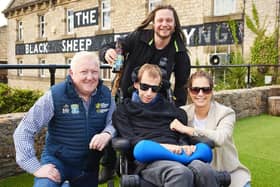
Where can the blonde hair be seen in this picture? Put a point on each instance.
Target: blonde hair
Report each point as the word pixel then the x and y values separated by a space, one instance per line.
pixel 152 70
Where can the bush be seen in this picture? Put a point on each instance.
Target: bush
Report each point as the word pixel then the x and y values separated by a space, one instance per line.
pixel 16 100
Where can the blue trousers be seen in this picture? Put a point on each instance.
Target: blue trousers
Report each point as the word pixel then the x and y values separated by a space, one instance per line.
pixel 76 177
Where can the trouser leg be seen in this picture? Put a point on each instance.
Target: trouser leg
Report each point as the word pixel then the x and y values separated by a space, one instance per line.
pixel 109 157
pixel 168 174
pixel 45 182
pixel 204 174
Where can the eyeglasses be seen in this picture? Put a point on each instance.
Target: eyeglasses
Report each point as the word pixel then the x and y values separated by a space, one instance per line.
pixel 196 90
pixel 146 87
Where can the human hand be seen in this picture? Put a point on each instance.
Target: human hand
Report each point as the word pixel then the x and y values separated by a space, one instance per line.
pixel 176 125
pixel 48 171
pixel 189 149
pixel 99 141
pixel 110 56
pixel 173 148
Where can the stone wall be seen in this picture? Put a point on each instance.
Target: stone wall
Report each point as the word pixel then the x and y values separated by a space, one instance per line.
pixel 246 102
pixel 8 123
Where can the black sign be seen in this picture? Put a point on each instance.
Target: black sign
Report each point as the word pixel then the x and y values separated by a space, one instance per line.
pixel 212 34
pixel 64 46
pixel 197 35
pixel 86 17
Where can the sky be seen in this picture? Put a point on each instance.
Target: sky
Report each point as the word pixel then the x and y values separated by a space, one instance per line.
pixel 3 5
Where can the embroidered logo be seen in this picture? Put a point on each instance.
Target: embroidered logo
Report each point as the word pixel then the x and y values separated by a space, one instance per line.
pixel 75 109
pixel 65 109
pixel 102 107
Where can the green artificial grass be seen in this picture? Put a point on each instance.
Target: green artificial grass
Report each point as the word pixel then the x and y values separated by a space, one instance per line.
pixel 258 143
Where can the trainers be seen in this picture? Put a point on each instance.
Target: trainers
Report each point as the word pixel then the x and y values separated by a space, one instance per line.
pixel 224 178
pixel 105 174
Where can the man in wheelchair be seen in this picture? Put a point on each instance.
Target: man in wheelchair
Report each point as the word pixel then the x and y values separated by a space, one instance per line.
pixel 147 116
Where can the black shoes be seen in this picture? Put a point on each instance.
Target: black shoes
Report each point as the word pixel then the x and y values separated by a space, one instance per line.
pixel 105 174
pixel 224 178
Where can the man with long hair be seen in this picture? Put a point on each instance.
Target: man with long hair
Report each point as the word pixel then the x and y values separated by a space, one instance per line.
pixel 157 40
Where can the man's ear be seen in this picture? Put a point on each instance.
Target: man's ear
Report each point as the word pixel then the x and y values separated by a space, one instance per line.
pixel 70 72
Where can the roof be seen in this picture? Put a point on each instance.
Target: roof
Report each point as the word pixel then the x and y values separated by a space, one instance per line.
pixel 16 4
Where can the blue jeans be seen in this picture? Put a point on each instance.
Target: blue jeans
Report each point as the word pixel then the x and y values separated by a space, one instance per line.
pixel 248 184
pixel 76 177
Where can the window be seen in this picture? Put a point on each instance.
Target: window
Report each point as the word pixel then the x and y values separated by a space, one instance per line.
pixel 19 71
pixel 67 62
pixel 105 14
pixel 42 25
pixel 153 4
pixel 106 74
pixel 42 72
pixel 19 30
pixel 224 7
pixel 70 21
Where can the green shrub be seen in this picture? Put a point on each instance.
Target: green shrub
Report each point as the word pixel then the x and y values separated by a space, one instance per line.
pixel 16 100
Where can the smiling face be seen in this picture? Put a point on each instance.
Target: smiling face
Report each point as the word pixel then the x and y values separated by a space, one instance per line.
pixel 85 75
pixel 201 99
pixel 164 24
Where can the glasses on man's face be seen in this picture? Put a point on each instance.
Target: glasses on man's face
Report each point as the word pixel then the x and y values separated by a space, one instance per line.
pixel 146 87
pixel 196 90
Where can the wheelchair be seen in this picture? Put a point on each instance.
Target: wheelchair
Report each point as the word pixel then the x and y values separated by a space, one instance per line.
pixel 129 169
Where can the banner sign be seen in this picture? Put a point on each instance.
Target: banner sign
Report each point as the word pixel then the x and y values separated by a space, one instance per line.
pixel 86 17
pixel 196 35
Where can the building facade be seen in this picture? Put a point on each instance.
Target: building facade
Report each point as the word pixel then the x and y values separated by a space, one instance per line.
pixel 3 53
pixel 51 31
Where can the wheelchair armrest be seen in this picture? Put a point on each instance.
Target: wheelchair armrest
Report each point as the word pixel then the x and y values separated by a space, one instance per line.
pixel 202 139
pixel 192 140
pixel 121 144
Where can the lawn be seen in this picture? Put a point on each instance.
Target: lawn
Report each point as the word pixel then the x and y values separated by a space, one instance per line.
pixel 258 143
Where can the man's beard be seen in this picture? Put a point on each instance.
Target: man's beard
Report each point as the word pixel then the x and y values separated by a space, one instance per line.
pixel 164 37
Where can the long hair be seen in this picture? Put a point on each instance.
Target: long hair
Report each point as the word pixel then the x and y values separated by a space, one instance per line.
pixel 150 18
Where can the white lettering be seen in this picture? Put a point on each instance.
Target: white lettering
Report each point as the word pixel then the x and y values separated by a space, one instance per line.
pixel 75 45
pixel 88 44
pixel 63 46
pixel 26 49
pixel 82 45
pixel 92 16
pixel 85 18
pixel 78 14
pixel 188 35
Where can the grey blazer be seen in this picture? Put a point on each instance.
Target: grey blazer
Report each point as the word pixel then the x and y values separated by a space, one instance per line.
pixel 219 128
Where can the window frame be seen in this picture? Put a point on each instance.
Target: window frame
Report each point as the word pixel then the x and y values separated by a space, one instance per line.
pixel 42 72
pixel 19 30
pixel 106 74
pixel 20 70
pixel 105 13
pixel 152 4
pixel 42 26
pixel 69 21
pixel 68 61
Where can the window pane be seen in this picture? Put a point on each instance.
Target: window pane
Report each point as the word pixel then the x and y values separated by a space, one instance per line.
pixel 70 21
pixel 41 26
pixel 42 71
pixel 105 14
pixel 20 31
pixel 224 7
pixel 153 4
pixel 19 71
